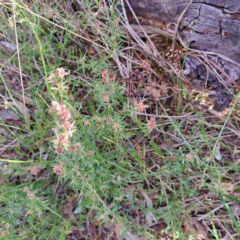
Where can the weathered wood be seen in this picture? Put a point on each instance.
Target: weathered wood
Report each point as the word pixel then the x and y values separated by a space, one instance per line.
pixel 209 26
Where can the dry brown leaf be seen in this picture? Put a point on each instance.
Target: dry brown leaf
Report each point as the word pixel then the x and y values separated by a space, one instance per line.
pixel 19 96
pixel 113 76
pixel 147 199
pixel 236 209
pixel 8 145
pixel 91 51
pixel 69 207
pixel 8 45
pixel 139 151
pixel 149 216
pixel 7 114
pixel 22 109
pixel 3 135
pixel 128 235
pixel 196 230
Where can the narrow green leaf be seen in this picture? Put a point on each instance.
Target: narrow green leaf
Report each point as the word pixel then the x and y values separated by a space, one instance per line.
pixel 230 212
pixel 232 198
pixel 153 144
pixel 156 148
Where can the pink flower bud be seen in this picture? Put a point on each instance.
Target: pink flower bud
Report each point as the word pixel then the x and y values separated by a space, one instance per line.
pixel 145 64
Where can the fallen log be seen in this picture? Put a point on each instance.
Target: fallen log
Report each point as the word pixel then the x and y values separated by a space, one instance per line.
pixel 210 31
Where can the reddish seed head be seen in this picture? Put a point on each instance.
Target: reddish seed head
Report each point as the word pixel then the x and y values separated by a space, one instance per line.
pixel 145 64
pixel 140 106
pixel 58 169
pixel 104 74
pixel 90 153
pixel 109 120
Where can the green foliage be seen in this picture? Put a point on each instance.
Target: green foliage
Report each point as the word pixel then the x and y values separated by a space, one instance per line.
pixel 87 158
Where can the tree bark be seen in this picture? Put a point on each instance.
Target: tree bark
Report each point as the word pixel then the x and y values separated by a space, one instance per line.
pixel 212 29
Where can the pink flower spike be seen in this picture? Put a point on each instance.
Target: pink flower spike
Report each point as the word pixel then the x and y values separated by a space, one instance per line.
pixel 151 124
pixel 64 129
